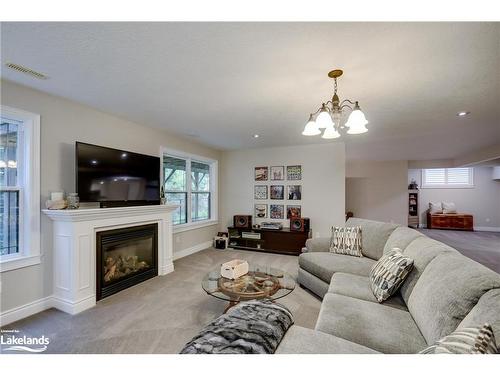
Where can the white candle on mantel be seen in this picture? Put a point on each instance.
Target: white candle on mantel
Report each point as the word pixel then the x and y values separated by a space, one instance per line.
pixel 56 196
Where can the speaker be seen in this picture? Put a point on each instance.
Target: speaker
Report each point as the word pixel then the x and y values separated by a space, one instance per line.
pixel 300 224
pixel 242 221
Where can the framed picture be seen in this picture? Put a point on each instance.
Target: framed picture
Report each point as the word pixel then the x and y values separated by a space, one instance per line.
pixel 294 172
pixel 277 191
pixel 278 173
pixel 293 211
pixel 261 173
pixel 260 192
pixel 294 192
pixel 261 211
pixel 277 211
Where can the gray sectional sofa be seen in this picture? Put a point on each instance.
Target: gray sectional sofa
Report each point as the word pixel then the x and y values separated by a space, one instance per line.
pixel 445 291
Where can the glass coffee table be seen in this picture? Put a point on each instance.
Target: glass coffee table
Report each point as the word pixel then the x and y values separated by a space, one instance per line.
pixel 261 282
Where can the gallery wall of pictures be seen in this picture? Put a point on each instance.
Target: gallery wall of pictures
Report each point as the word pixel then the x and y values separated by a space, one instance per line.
pixel 278 192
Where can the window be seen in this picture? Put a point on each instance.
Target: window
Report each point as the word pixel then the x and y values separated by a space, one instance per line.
pixel 447 178
pixel 19 189
pixel 190 182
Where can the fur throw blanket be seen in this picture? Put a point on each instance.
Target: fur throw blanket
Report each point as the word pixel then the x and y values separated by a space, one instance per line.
pixel 253 327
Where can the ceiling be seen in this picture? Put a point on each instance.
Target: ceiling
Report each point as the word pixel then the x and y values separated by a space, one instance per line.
pixel 220 83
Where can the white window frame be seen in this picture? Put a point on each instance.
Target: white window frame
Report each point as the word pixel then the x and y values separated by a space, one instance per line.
pixel 29 198
pixel 214 166
pixel 446 185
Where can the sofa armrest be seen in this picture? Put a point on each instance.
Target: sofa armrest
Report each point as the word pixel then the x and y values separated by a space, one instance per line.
pixel 321 244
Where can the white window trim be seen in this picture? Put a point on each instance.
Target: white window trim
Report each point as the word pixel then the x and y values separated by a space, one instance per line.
pixel 451 186
pixel 214 168
pixel 29 201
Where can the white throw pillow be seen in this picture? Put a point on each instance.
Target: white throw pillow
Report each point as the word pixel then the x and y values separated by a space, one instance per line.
pixel 449 208
pixel 346 240
pixel 435 208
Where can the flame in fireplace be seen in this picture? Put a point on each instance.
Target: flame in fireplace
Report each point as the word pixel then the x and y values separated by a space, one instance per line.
pixel 120 266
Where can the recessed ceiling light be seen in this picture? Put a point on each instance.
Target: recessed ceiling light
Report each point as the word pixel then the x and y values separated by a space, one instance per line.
pixel 256 136
pixel 124 155
pixel 463 113
pixel 94 162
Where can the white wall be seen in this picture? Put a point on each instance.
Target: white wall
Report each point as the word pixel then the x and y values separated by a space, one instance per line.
pixel 482 201
pixel 377 190
pixel 323 173
pixel 62 123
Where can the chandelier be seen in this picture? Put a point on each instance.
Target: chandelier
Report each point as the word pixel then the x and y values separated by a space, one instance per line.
pixel 329 116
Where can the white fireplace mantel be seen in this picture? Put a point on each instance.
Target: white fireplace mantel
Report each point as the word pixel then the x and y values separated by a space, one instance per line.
pixel 74 254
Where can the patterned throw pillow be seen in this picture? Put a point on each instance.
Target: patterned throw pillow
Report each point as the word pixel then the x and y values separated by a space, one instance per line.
pixel 389 273
pixel 474 340
pixel 346 240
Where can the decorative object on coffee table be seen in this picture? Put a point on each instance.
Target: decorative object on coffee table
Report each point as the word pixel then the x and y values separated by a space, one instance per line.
pixel 234 268
pixel 261 282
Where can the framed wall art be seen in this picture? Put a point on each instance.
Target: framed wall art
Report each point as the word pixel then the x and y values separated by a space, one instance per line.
pixel 261 173
pixel 261 211
pixel 294 172
pixel 294 192
pixel 293 211
pixel 277 192
pixel 260 192
pixel 277 173
pixel 277 211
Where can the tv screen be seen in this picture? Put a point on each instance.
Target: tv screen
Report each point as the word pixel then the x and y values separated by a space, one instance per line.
pixel 108 175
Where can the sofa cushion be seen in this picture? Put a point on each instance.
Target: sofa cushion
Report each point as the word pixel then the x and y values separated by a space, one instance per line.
pixel 487 309
pixel 446 292
pixel 401 238
pixel 357 286
pixel 375 235
pixel 318 244
pixel 422 250
pixel 300 340
pixel 374 325
pixel 387 275
pixel 469 340
pixel 324 265
pixel 346 240
pixel 311 282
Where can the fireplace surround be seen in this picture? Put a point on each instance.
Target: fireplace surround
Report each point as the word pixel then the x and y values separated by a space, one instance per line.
pixel 74 254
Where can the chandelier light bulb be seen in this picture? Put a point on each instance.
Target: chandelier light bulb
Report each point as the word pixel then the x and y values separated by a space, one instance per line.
pixel 311 128
pixel 330 133
pixel 324 120
pixel 356 121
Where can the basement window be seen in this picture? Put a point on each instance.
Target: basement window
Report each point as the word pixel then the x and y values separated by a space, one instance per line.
pixel 448 178
pixel 19 189
pixel 190 181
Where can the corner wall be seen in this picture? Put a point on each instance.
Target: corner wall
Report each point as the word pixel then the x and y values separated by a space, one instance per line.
pixel 378 190
pixel 323 173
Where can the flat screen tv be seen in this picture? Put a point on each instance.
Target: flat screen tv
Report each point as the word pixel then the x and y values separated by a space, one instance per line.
pixel 116 177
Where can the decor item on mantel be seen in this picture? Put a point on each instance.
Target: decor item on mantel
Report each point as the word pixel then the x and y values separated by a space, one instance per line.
pixel 329 116
pixel 56 201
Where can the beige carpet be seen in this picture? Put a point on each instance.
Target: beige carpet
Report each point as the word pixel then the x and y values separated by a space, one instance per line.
pixel 161 314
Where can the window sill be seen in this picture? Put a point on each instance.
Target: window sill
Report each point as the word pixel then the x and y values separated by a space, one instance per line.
pixel 447 187
pixel 191 226
pixel 19 262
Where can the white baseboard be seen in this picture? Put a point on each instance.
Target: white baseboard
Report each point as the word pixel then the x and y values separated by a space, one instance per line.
pixel 191 250
pixel 21 312
pixel 73 307
pixel 487 229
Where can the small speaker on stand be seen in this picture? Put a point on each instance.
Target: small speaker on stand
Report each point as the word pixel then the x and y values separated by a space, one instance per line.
pixel 300 224
pixel 242 221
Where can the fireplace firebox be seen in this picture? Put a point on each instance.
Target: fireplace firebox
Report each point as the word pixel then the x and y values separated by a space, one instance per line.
pixel 125 257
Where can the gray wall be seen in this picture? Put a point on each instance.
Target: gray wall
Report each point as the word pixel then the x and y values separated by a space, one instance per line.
pixel 482 201
pixel 62 123
pixel 377 190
